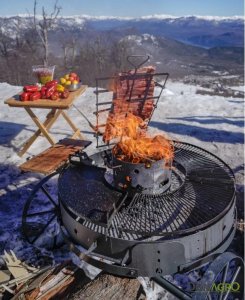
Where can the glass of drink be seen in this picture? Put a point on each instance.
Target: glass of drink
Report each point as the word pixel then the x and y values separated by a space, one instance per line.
pixel 44 74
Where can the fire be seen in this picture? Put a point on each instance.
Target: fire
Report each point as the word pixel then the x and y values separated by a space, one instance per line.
pixel 135 145
pixel 121 125
pixel 128 118
pixel 144 149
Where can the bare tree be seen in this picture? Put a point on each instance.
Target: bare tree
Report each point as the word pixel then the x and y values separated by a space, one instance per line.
pixel 43 26
pixel 119 52
pixel 69 51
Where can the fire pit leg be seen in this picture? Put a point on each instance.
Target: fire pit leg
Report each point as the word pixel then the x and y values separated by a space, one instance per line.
pixel 41 213
pixel 171 288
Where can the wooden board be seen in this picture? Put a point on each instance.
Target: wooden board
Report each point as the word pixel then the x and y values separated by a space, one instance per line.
pixel 46 103
pixel 54 157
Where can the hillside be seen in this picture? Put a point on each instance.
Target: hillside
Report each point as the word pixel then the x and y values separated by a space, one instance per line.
pixel 98 47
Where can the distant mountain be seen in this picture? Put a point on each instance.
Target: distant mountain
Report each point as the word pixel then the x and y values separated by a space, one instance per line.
pixel 180 59
pixel 203 31
pixel 181 46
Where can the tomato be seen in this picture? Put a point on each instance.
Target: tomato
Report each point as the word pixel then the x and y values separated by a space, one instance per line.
pixel 50 91
pixel 35 96
pixel 30 88
pixel 55 96
pixel 65 94
pixel 51 83
pixel 25 96
pixel 43 92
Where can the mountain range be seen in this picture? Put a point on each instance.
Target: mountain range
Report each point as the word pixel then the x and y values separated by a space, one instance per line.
pixel 202 31
pixel 181 46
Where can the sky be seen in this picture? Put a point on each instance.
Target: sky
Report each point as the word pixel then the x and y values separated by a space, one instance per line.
pixel 129 8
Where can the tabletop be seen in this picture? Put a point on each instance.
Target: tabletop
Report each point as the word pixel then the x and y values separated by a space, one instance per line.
pixel 46 103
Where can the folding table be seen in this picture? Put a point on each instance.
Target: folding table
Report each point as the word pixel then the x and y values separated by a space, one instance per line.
pixel 57 108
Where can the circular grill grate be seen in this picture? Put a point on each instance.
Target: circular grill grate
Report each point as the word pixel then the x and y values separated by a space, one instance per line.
pixel 202 190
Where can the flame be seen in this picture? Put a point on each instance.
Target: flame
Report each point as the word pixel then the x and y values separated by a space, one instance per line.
pixel 121 125
pixel 144 149
pixel 135 145
pixel 124 124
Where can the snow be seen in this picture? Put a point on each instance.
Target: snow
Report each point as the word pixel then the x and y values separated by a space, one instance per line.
pixel 238 88
pixel 79 19
pixel 140 39
pixel 211 122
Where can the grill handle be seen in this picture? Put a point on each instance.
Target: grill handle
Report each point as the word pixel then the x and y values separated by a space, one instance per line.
pixel 131 58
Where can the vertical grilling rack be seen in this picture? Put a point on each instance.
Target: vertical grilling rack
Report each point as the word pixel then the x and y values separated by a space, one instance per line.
pixel 107 106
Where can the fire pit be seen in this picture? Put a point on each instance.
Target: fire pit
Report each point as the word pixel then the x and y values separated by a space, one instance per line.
pixel 131 233
pixel 147 213
pixel 185 220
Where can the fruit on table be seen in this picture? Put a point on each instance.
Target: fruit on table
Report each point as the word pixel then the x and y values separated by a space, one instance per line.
pixel 51 83
pixel 35 96
pixel 51 90
pixel 62 80
pixel 73 74
pixel 54 91
pixel 30 88
pixel 69 79
pixel 68 82
pixel 55 96
pixel 65 94
pixel 25 96
pixel 30 93
pixel 60 88
pixel 43 92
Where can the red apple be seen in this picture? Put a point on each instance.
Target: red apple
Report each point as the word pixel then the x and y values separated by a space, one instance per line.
pixel 73 74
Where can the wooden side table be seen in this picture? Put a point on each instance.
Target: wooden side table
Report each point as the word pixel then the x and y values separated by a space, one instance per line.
pixel 57 108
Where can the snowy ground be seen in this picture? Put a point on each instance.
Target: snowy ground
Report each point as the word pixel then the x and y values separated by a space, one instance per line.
pixel 211 122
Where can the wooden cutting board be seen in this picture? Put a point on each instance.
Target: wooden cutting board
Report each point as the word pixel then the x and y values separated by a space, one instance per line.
pixel 54 157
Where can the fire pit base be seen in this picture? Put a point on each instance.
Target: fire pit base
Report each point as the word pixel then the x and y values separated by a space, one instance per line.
pixel 190 220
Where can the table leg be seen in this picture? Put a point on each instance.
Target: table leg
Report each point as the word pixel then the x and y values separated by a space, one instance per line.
pixel 72 125
pixel 50 119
